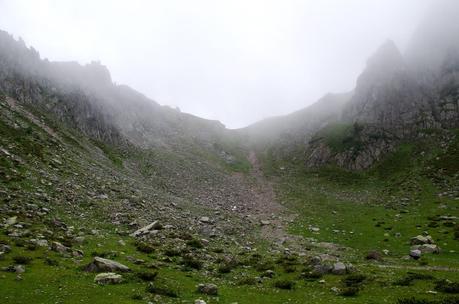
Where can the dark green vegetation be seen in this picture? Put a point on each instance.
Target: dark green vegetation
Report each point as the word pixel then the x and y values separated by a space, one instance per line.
pixel 340 136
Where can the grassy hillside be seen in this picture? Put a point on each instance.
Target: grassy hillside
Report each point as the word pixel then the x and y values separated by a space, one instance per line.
pixel 59 186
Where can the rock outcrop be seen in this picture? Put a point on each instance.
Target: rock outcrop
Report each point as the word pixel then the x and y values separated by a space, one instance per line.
pixel 394 100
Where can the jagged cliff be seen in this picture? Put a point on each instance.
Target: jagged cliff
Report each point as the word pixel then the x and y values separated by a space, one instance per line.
pixel 397 97
pixel 86 98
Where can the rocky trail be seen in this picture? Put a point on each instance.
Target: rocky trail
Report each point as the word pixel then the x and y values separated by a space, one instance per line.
pixel 266 209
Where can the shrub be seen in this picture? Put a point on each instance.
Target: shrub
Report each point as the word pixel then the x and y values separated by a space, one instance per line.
pixel 104 254
pixel 454 300
pixel 289 268
pixel 144 247
pixel 413 301
pixel 349 291
pixel 374 255
pixel 224 268
pixel 433 225
pixel 218 250
pixel 137 296
pixel 448 224
pixel 284 284
pixel 354 280
pixel 31 247
pixel 247 281
pixel 194 243
pixel 288 260
pixel 447 286
pixel 20 259
pixel 172 252
pixel 19 243
pixel 263 266
pixel 191 262
pixel 253 260
pixel 147 275
pixel 161 289
pixel 311 275
pixel 51 262
pixel 411 277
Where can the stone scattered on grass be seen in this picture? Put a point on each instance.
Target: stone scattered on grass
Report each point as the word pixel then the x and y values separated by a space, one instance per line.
pixel 108 278
pixel 205 219
pixel 415 254
pixel 421 240
pixel 156 225
pixel 11 221
pixel 427 248
pixel 339 268
pixel 58 247
pixel 208 289
pixel 105 265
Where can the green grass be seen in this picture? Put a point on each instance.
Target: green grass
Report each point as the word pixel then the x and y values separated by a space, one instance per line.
pixel 340 136
pixel 379 209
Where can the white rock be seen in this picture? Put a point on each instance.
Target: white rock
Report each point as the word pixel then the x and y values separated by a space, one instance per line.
pixel 108 278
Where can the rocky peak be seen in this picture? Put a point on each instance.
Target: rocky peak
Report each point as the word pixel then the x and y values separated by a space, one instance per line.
pixel 382 66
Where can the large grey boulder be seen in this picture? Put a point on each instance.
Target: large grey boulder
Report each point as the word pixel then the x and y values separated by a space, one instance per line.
pixel 339 268
pixel 105 265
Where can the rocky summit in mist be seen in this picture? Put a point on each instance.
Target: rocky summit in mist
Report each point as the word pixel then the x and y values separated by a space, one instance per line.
pixel 108 197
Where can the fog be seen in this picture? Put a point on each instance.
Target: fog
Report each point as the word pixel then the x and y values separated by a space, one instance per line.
pixel 235 61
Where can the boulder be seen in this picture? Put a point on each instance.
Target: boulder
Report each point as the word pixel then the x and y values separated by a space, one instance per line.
pixel 427 248
pixel 58 247
pixel 156 225
pixel 107 278
pixel 208 289
pixel 339 268
pixel 5 248
pixel 105 265
pixel 415 254
pixel 11 221
pixel 265 222
pixel 19 269
pixel 204 219
pixel 322 269
pixel 314 229
pixel 41 243
pixel 268 274
pixel 421 240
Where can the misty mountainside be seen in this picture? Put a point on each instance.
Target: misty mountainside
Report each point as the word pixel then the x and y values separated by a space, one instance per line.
pixel 72 135
pixel 86 98
pixel 292 130
pixel 108 197
pixel 398 97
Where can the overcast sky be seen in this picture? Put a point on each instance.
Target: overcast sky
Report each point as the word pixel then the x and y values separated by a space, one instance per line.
pixel 237 61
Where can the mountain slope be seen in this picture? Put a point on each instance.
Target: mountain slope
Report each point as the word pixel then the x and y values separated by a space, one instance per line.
pixel 91 170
